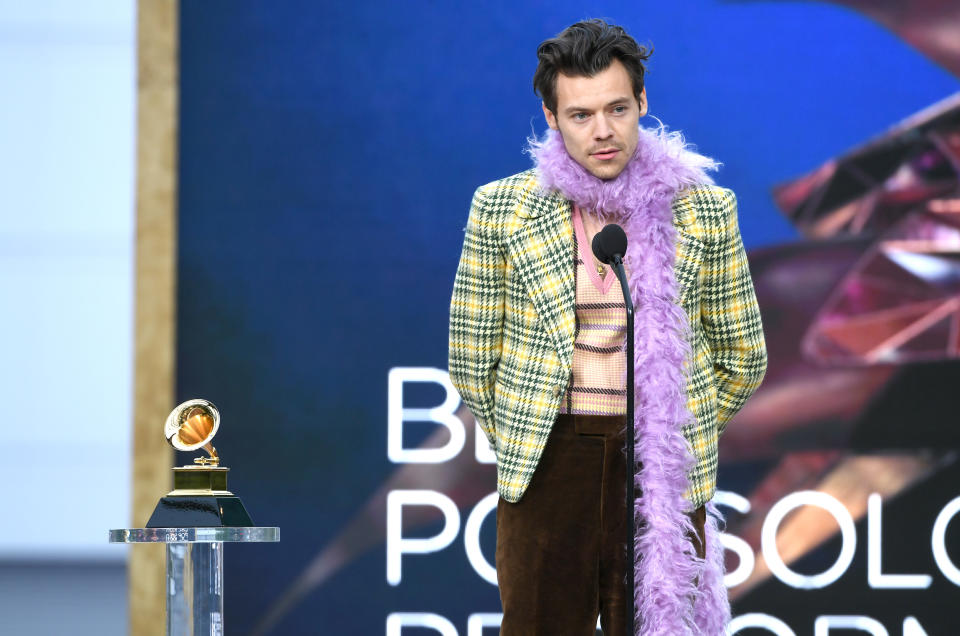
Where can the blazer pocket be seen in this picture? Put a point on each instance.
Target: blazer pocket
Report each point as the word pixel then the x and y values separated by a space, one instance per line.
pixel 703 406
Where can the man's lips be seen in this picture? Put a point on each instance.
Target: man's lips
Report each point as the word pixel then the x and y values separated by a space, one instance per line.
pixel 606 154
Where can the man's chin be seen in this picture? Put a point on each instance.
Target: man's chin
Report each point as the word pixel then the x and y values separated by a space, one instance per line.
pixel 605 171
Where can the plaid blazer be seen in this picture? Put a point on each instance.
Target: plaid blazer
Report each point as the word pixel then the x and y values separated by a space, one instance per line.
pixel 512 322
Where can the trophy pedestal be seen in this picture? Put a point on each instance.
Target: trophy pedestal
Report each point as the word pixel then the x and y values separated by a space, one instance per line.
pixel 195 571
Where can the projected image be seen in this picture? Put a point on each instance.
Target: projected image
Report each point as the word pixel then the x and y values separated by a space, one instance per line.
pixel 855 416
pixel 858 394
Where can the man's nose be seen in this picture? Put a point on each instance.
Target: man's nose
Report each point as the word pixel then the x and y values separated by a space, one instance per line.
pixel 602 129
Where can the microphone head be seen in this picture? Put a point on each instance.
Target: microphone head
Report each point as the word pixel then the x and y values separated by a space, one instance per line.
pixel 609 242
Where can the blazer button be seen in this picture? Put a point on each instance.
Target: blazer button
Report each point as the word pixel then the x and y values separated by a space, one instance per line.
pixel 558 390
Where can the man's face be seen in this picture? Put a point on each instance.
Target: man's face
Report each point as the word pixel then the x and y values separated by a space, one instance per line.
pixel 597 118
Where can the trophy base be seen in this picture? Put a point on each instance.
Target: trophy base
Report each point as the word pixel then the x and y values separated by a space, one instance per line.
pixel 200 511
pixel 200 499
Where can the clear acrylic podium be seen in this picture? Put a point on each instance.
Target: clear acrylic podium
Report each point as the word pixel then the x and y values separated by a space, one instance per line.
pixel 195 571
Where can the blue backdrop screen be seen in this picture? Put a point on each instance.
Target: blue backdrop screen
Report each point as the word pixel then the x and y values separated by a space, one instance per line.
pixel 328 154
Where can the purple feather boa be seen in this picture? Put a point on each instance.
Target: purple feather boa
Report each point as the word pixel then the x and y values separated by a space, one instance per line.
pixel 676 592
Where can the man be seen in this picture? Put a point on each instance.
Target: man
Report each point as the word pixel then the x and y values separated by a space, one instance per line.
pixel 537 331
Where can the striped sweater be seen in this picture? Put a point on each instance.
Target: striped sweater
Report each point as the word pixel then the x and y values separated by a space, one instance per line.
pixel 597 385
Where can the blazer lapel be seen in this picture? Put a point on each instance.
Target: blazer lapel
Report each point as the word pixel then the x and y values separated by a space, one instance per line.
pixel 690 248
pixel 542 252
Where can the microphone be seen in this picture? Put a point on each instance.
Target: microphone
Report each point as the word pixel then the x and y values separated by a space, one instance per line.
pixel 610 244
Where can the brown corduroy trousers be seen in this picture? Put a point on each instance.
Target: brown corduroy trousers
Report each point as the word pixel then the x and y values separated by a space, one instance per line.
pixel 561 550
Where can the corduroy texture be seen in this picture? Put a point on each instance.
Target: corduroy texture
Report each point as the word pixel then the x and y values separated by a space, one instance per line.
pixel 640 199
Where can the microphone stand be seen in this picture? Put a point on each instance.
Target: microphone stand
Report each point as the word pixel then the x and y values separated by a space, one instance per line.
pixel 617 263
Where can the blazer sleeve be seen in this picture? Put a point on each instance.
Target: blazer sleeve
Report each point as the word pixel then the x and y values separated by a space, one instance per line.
pixel 476 317
pixel 731 317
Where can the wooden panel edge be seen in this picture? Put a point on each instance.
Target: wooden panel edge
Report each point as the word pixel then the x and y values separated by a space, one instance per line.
pixel 155 297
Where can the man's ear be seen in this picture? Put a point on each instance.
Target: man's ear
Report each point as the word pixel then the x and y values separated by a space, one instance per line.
pixel 643 102
pixel 550 117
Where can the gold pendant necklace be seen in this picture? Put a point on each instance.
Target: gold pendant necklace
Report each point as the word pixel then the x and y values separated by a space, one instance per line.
pixel 601 270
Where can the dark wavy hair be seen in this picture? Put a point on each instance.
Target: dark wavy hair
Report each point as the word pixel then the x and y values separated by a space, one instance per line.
pixel 583 50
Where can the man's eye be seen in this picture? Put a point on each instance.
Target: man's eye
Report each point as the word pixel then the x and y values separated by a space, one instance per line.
pixel 620 109
pixel 579 116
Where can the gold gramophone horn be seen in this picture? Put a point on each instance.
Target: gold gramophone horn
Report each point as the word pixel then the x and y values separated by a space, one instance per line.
pixel 191 426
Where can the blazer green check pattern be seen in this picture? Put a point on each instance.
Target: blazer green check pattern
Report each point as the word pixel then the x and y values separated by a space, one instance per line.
pixel 512 322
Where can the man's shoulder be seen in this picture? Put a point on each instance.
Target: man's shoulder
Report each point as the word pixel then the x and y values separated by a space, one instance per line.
pixel 517 185
pixel 704 209
pixel 707 199
pixel 519 196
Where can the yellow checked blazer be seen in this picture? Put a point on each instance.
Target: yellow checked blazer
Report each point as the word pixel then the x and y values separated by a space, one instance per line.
pixel 512 322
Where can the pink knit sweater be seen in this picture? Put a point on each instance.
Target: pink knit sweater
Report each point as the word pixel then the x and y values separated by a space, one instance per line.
pixel 599 363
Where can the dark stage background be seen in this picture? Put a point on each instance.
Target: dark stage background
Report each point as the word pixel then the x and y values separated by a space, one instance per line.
pixel 328 153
